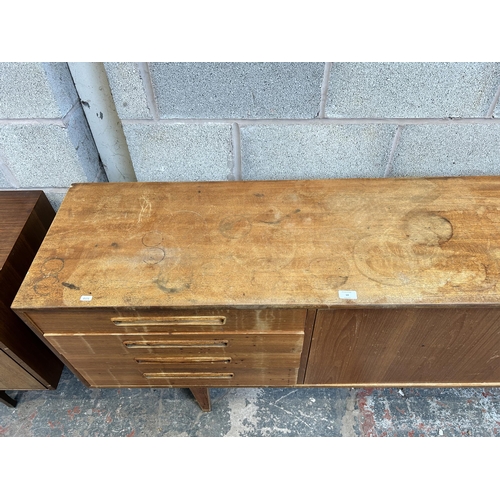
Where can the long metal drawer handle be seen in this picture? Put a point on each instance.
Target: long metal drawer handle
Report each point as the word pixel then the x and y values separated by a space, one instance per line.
pixel 184 359
pixel 171 321
pixel 174 344
pixel 188 375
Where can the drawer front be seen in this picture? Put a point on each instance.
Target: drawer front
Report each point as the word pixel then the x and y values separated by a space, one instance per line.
pixel 167 321
pixel 200 344
pixel 203 359
pixel 131 376
pixel 224 364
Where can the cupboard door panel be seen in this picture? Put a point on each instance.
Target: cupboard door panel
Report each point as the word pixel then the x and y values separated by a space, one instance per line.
pixel 412 346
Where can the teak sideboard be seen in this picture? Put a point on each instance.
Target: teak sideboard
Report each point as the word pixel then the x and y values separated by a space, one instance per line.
pixel 26 363
pixel 347 282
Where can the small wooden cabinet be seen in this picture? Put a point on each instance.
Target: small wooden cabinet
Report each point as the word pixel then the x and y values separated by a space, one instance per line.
pixel 25 361
pixel 347 282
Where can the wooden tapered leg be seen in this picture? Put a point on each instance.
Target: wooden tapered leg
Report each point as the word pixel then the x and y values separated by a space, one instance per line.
pixel 202 396
pixel 7 400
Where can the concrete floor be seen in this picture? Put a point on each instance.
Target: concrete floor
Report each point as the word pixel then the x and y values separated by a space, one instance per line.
pixel 74 410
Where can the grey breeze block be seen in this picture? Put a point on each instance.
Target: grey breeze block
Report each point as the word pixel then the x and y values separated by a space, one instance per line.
pixel 496 112
pixel 127 89
pixel 448 150
pixel 237 90
pixel 315 151
pixel 4 183
pixel 50 155
pixel 411 90
pixel 35 90
pixel 180 152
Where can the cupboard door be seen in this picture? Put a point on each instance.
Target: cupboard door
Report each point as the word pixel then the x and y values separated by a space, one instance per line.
pixel 417 346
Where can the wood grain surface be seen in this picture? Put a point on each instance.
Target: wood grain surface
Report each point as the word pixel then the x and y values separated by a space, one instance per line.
pixel 127 376
pixel 101 320
pixel 200 344
pixel 397 347
pixel 278 243
pixel 14 377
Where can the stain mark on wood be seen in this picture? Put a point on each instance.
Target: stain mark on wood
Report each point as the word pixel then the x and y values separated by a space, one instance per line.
pixel 163 286
pixel 427 228
pixel 45 285
pixel 152 239
pixel 329 274
pixel 396 257
pixel 274 216
pixel 235 227
pixel 154 255
pixel 52 266
pixel 70 286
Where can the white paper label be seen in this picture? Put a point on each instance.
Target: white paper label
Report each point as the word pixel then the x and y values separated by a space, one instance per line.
pixel 86 298
pixel 348 294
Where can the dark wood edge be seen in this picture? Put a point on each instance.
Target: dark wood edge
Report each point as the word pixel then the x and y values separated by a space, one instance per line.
pixel 202 396
pixel 37 376
pixel 308 330
pixel 25 317
pixel 7 400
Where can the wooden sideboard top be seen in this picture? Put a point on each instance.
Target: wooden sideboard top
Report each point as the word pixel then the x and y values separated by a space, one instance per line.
pixel 271 243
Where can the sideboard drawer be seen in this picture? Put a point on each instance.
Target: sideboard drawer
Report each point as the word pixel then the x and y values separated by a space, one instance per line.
pixel 163 360
pixel 163 320
pixel 130 376
pixel 199 344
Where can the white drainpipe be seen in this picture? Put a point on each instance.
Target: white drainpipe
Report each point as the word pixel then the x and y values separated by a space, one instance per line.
pixel 92 85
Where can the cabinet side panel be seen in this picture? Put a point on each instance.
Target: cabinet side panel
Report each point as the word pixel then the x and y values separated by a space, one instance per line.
pixel 405 346
pixel 13 377
pixel 22 345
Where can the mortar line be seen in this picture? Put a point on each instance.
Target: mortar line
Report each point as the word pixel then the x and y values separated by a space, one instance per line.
pixel 32 121
pixel 8 174
pixel 324 89
pixel 147 84
pixel 395 142
pixel 243 122
pixel 494 103
pixel 236 142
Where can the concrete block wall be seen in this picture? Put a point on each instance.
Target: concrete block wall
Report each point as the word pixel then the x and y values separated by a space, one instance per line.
pixel 245 121
pixel 242 121
pixel 45 141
